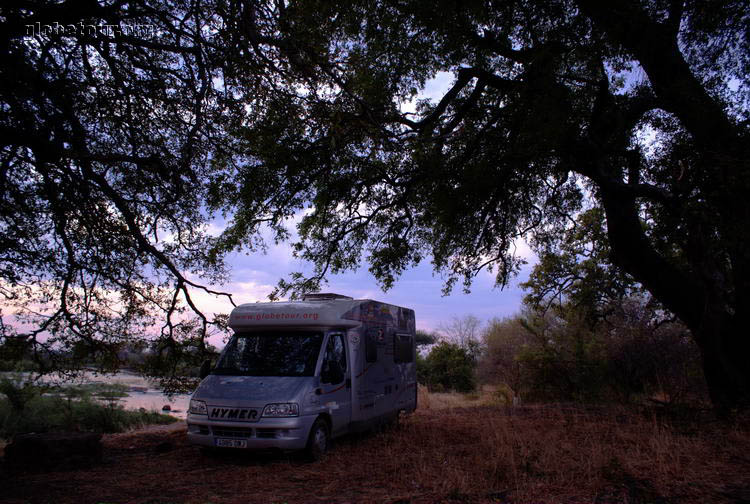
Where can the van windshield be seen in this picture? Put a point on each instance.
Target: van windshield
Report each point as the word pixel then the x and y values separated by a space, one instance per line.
pixel 286 353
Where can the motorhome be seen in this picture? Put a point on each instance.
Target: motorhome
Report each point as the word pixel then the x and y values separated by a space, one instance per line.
pixel 296 374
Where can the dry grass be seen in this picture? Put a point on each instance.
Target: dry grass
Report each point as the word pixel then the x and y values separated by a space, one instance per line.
pixel 445 400
pixel 440 454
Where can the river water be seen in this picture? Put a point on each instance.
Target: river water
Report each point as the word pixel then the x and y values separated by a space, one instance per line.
pixel 142 393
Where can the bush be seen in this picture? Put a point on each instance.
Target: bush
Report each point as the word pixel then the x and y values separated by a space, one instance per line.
pixel 449 367
pixel 18 392
pixel 423 370
pixel 74 409
pixel 504 339
pixel 567 364
pixel 647 360
pixel 561 356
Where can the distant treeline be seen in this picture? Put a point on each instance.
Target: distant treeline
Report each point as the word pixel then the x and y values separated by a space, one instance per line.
pixel 631 354
pixel 16 355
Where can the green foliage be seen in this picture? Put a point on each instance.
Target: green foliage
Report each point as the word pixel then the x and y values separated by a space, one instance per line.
pixel 648 355
pixel 449 367
pixel 575 267
pixel 15 354
pixel 559 356
pixel 423 369
pixel 19 391
pixel 424 338
pixel 176 362
pixel 20 366
pixel 75 408
pixel 504 341
pixel 465 332
pixel 567 362
pixel 617 328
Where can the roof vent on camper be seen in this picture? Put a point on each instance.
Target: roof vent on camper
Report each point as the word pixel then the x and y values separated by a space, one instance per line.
pixel 323 296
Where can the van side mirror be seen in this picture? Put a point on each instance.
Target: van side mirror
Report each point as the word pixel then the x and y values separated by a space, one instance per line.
pixel 205 368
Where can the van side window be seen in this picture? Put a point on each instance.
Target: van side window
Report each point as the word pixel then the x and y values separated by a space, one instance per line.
pixel 335 357
pixel 402 348
pixel 339 352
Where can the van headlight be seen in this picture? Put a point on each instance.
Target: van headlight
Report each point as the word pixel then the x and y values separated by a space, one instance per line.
pixel 281 410
pixel 197 407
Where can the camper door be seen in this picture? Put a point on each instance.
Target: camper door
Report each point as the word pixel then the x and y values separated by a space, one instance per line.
pixel 335 380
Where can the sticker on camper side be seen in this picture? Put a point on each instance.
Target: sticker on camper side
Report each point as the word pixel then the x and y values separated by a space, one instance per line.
pixel 236 414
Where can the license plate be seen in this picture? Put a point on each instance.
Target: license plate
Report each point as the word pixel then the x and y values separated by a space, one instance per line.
pixel 231 443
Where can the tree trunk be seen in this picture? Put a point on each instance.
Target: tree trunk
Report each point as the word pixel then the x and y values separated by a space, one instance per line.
pixel 725 348
pixel 721 337
pixel 710 294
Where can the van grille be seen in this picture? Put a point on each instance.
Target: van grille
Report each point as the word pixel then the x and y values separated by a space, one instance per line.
pixel 232 432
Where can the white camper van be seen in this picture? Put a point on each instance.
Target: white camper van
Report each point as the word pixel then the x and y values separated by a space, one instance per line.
pixel 296 374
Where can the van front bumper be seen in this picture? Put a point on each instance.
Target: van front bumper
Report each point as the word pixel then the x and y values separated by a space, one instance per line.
pixel 287 434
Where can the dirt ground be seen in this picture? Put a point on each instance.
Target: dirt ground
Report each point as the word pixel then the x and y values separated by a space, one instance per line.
pixel 480 454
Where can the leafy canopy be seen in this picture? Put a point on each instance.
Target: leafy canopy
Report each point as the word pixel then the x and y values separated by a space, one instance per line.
pixel 637 107
pixel 114 139
pixel 117 149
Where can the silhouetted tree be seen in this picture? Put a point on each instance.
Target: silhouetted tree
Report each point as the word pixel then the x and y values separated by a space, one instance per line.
pixel 465 332
pixel 117 148
pixel 638 107
pixel 114 115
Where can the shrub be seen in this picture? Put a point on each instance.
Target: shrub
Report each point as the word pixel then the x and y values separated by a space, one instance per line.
pixel 72 409
pixel 450 367
pixel 18 392
pixel 423 370
pixel 504 339
pixel 561 356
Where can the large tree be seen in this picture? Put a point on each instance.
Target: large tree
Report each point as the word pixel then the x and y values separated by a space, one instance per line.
pixel 640 106
pixel 112 114
pixel 117 146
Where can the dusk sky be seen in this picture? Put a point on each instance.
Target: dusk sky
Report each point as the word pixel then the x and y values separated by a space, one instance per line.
pixel 255 275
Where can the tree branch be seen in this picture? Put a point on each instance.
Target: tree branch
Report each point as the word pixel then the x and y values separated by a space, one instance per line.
pixel 655 46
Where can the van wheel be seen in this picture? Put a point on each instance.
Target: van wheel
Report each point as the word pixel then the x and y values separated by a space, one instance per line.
pixel 318 441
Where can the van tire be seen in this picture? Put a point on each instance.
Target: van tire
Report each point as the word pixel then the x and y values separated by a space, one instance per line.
pixel 318 441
